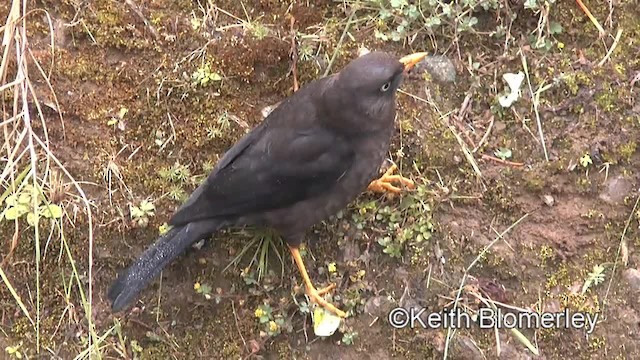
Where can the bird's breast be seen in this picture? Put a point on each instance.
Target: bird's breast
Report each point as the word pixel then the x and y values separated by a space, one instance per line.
pixel 369 154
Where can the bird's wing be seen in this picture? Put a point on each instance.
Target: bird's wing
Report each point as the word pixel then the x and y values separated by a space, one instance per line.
pixel 270 168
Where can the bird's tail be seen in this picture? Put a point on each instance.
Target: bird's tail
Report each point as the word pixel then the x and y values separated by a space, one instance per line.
pixel 169 246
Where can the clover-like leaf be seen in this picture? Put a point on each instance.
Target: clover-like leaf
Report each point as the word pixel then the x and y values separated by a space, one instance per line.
pixel 16 211
pixel 31 218
pixel 51 211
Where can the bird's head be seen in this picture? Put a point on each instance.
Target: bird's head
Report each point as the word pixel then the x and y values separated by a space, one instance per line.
pixel 366 87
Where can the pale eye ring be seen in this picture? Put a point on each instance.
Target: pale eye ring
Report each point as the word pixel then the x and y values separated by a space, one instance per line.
pixel 385 87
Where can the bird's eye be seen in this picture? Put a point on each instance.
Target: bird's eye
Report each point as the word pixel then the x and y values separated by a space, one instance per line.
pixel 385 87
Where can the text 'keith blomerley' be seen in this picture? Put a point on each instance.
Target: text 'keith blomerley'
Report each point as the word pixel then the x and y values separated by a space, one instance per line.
pixel 489 319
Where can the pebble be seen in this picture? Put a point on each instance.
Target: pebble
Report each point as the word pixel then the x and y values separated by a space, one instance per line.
pixel 632 276
pixel 439 67
pixel 615 190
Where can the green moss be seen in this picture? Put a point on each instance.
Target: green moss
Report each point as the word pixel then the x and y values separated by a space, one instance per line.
pixel 577 80
pixel 559 278
pixel 627 150
pixel 546 253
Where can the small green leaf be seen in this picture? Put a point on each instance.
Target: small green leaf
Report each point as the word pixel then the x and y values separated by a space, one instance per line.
pixel 503 153
pixel 24 198
pixel 164 228
pixel 555 28
pixel 398 3
pixel 586 160
pixel 146 206
pixel 135 346
pixel 15 212
pixel 31 219
pixel 51 211
pixel 11 200
pixel 123 111
pixel 136 212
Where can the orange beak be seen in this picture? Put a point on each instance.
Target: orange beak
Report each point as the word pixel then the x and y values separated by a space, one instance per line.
pixel 410 61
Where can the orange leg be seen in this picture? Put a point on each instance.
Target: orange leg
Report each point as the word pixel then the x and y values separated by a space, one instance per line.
pixel 315 295
pixel 384 183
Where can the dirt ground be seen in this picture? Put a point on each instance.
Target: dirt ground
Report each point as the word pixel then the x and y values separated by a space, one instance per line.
pixel 139 125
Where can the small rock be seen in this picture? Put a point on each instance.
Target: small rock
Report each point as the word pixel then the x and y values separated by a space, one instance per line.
pixel 616 189
pixel 548 199
pixel 633 278
pixel 439 67
pixel 378 306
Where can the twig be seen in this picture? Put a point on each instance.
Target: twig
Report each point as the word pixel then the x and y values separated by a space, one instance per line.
pixel 339 44
pixel 613 47
pixel 294 55
pixel 136 10
pixel 621 245
pixel 591 17
pixel 535 101
pixel 485 136
pixel 450 330
pixel 235 317
pixel 464 108
pixel 505 162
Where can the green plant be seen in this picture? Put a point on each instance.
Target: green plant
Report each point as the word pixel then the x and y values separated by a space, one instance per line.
pixel 273 324
pixel 203 76
pixel 586 160
pixel 503 153
pixel 400 20
pixel 349 337
pixel 164 228
pixel 140 214
pixel 595 277
pixel 409 224
pixel 116 120
pixel 221 125
pixel 203 289
pixel 14 351
pixel 22 203
pixel 397 20
pixel 177 173
pixel 264 241
pixel 177 193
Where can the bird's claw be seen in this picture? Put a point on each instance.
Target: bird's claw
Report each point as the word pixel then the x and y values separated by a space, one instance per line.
pixel 316 297
pixel 385 182
pixel 326 289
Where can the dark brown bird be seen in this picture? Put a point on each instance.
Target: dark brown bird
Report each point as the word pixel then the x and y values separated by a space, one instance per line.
pixel 307 160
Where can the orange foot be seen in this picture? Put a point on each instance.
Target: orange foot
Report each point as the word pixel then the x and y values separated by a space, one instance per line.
pixel 316 297
pixel 385 182
pixel 314 294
